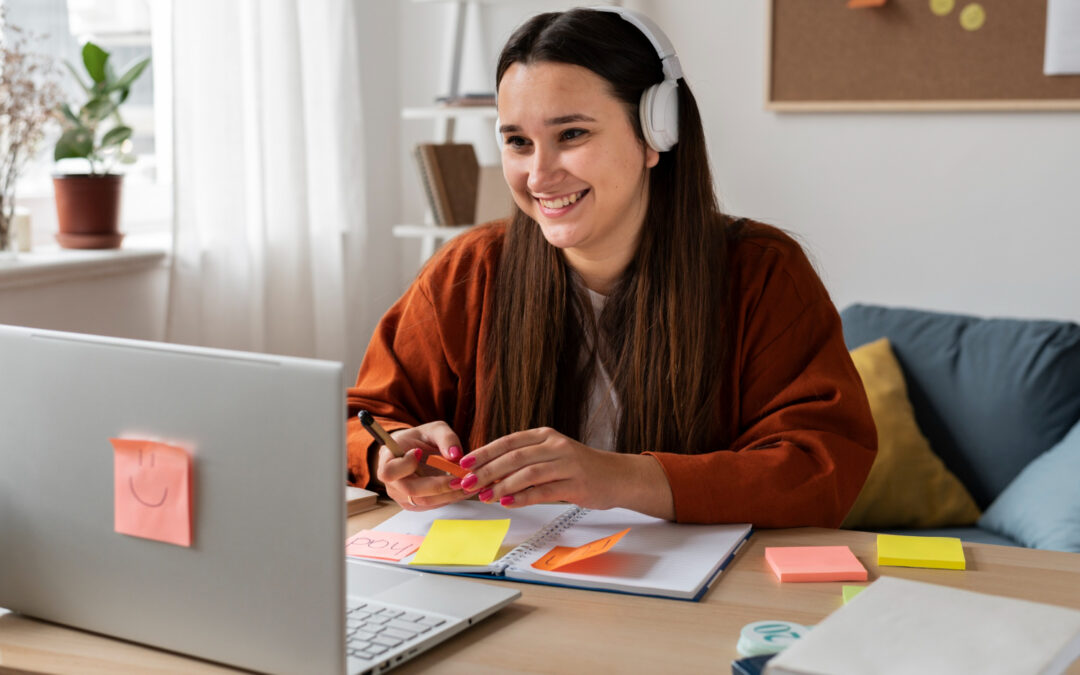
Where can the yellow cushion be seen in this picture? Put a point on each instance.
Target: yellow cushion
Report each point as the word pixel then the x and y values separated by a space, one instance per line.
pixel 908 485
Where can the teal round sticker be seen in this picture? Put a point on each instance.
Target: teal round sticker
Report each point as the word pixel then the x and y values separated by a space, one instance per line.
pixel 768 637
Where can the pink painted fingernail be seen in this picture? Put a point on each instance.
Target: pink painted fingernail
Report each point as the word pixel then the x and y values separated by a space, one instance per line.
pixel 454 452
pixel 455 483
pixel 467 462
pixel 469 481
pixel 417 454
pixel 486 495
pixel 507 500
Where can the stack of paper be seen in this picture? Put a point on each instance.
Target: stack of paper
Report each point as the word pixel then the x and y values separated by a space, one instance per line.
pixel 902 626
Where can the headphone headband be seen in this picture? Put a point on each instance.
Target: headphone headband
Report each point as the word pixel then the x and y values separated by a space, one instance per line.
pixel 660 42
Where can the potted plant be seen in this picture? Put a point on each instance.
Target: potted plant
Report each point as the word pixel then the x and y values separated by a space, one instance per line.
pixel 28 96
pixel 88 204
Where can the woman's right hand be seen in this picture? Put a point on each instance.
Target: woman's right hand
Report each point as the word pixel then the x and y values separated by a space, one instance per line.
pixel 412 484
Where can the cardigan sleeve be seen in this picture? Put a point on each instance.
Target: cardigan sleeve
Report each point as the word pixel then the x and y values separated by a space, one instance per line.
pixel 420 365
pixel 399 378
pixel 805 438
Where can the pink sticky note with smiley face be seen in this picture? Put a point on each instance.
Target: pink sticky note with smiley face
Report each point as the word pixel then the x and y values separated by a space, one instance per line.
pixel 152 490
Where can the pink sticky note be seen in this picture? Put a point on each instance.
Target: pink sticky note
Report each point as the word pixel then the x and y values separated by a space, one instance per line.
pixel 382 545
pixel 814 563
pixel 152 490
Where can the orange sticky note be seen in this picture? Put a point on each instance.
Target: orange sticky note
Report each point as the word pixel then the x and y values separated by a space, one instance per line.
pixel 443 464
pixel 859 4
pixel 564 555
pixel 814 563
pixel 152 490
pixel 382 545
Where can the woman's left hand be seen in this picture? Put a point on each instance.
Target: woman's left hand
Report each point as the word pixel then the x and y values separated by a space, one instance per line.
pixel 539 465
pixel 542 465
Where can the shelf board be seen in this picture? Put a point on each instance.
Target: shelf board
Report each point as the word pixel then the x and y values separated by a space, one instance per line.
pixel 436 231
pixel 444 112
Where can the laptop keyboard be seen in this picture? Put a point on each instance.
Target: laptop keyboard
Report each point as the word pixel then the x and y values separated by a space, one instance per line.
pixel 372 629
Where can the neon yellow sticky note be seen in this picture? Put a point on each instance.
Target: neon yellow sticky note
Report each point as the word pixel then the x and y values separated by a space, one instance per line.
pixel 462 542
pixel 936 552
pixel 851 591
pixel 564 555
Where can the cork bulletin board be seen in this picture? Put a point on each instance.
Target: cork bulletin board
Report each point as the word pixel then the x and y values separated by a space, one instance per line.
pixel 912 55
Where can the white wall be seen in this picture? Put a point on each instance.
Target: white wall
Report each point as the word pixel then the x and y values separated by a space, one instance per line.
pixel 127 304
pixel 971 212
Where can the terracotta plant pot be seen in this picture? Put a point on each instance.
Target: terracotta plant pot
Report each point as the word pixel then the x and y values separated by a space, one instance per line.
pixel 88 210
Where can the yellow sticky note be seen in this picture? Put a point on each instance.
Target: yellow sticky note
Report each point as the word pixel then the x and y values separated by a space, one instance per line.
pixel 564 555
pixel 904 551
pixel 851 591
pixel 462 542
pixel 152 491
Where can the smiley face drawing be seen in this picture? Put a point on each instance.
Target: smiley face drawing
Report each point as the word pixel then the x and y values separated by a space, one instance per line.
pixel 131 482
pixel 152 490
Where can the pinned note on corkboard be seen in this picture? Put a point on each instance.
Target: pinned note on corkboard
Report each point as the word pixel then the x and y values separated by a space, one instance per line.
pixel 911 55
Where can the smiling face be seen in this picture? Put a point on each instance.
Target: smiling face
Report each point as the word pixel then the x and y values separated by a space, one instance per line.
pixel 575 165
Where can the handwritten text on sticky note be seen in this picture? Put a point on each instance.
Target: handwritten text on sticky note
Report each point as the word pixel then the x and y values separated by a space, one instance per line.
pixel 152 486
pixel 382 545
pixel 462 542
pixel 564 555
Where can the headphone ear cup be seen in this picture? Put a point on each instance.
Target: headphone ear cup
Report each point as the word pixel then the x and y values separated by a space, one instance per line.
pixel 659 111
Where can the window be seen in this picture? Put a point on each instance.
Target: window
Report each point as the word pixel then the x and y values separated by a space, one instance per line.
pixel 129 30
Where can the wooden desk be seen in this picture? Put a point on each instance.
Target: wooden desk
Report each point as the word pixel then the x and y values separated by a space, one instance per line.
pixel 559 630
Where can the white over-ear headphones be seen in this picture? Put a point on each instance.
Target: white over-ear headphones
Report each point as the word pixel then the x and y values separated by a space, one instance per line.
pixel 659 105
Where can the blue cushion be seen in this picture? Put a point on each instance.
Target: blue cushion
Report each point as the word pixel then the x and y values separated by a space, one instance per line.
pixel 1041 508
pixel 990 394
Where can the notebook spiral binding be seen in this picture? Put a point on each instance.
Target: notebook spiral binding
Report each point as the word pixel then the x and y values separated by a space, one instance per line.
pixel 537 541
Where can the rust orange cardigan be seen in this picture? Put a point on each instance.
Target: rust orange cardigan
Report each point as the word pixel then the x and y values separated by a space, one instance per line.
pixel 805 440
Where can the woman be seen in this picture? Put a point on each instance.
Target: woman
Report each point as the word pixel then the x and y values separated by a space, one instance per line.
pixel 620 341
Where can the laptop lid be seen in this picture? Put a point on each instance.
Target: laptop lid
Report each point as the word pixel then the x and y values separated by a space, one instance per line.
pixel 262 583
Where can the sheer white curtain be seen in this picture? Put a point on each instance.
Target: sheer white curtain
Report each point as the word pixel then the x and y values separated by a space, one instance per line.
pixel 269 180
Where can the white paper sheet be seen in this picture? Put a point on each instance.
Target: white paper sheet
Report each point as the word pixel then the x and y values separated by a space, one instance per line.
pixel 1062 38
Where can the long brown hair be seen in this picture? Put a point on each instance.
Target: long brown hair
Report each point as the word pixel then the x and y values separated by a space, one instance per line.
pixel 663 335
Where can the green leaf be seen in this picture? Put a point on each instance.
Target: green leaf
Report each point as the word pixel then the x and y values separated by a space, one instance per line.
pixel 110 75
pixel 77 142
pixel 69 115
pixel 97 109
pixel 116 136
pixel 78 78
pixel 131 75
pixel 94 59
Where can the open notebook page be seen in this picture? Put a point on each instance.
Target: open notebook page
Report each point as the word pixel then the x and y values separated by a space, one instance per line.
pixel 656 557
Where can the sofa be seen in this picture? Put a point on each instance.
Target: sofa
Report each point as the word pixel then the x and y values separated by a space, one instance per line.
pixel 992 411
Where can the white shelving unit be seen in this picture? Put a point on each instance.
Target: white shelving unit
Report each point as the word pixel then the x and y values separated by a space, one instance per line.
pixel 444 120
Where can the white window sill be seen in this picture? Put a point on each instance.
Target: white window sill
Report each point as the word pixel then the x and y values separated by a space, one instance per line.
pixel 49 265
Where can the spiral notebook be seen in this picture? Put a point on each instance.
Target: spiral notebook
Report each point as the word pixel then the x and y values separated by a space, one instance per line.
pixel 656 557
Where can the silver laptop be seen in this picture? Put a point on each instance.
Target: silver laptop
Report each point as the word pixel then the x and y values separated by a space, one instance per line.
pixel 262 584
